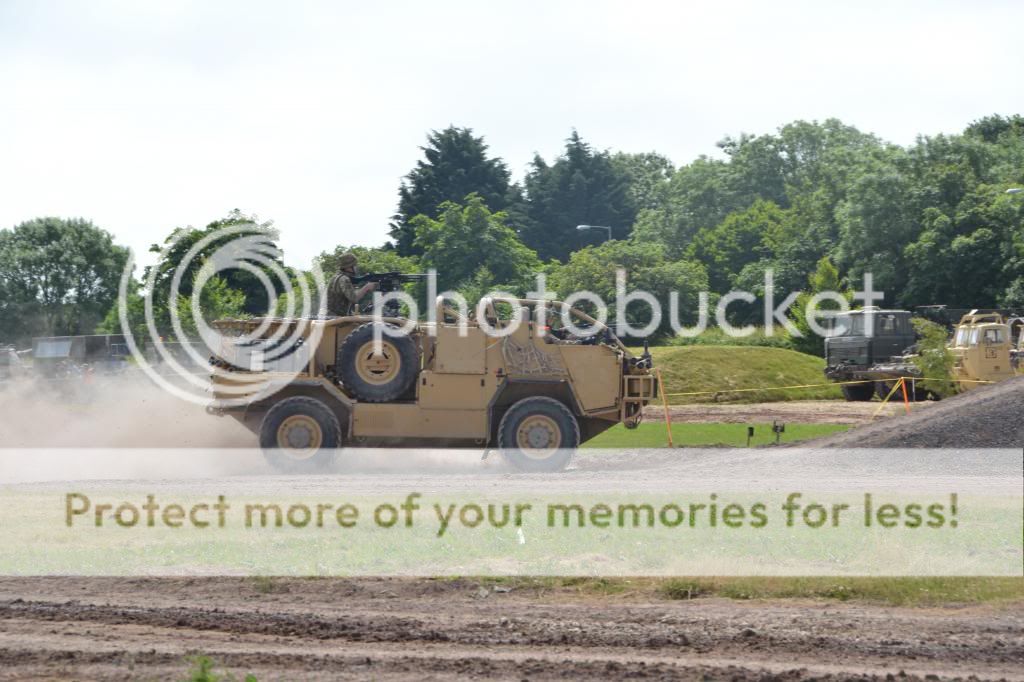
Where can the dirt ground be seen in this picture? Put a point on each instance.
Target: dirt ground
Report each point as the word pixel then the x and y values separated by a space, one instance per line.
pixel 376 628
pixel 135 414
pixel 793 412
pixel 320 629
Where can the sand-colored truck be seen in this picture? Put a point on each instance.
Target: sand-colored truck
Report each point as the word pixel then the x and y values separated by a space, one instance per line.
pixel 982 347
pixel 518 383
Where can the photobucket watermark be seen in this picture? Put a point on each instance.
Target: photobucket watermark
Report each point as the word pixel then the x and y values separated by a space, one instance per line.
pixel 584 314
pixel 175 337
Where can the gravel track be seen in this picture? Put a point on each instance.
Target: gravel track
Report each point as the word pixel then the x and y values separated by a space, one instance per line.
pixel 793 411
pixel 990 416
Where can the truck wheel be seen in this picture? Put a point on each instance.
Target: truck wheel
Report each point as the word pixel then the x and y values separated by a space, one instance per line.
pixel 857 392
pixel 300 435
pixel 538 434
pixel 377 377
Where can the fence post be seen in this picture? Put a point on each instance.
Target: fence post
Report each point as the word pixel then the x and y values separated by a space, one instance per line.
pixel 664 403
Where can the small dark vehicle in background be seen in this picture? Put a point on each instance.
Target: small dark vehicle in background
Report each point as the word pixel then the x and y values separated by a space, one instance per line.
pixel 55 357
pixel 11 366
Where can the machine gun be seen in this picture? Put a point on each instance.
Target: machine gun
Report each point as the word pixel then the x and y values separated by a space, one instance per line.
pixel 386 283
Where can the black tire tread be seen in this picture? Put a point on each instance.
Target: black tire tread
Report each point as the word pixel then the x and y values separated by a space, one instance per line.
pixel 304 405
pixel 350 378
pixel 555 463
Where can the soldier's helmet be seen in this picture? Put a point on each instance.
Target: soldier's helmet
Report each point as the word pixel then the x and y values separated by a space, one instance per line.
pixel 347 261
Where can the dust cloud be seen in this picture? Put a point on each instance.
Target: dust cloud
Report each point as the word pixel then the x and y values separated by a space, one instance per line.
pixel 73 429
pixel 109 412
pixel 126 427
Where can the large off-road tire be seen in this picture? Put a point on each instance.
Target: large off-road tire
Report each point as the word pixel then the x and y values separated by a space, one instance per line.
pixel 300 435
pixel 538 434
pixel 857 392
pixel 377 377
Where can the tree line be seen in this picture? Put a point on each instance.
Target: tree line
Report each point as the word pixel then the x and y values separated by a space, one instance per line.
pixel 814 201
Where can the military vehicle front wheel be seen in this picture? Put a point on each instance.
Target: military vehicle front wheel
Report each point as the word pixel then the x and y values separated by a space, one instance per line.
pixel 300 435
pixel 538 434
pixel 858 392
pixel 377 375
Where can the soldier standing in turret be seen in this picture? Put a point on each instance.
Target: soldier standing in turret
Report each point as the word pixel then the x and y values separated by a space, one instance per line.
pixel 342 296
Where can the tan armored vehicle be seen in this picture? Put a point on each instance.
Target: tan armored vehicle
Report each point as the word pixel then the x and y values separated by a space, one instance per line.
pixel 982 348
pixel 534 394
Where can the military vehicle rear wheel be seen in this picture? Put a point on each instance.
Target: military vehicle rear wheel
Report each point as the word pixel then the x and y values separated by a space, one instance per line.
pixel 538 434
pixel 300 435
pixel 858 392
pixel 377 377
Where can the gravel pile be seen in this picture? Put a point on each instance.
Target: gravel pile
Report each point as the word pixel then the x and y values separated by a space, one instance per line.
pixel 987 417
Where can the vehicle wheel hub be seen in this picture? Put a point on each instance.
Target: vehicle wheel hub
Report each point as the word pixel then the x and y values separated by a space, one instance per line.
pixel 378 368
pixel 301 435
pixel 538 436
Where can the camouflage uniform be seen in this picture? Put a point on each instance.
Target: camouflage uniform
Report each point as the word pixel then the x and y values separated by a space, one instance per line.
pixel 341 296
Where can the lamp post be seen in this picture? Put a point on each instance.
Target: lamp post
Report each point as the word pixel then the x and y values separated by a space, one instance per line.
pixel 584 228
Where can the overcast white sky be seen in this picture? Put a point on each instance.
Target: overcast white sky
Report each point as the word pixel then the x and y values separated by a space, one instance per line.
pixel 142 116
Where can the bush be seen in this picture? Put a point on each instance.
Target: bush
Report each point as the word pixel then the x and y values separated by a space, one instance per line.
pixel 715 336
pixel 934 358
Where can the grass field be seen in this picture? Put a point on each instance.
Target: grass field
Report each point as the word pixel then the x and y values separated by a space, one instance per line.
pixel 721 368
pixel 652 435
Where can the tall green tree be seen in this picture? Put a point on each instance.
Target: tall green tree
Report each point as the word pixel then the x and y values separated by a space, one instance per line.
pixel 876 221
pixel 970 257
pixel 647 177
pixel 473 248
pixel 57 277
pixel 582 187
pixel 647 269
pixel 232 246
pixel 233 292
pixel 455 164
pixel 697 196
pixel 824 278
pixel 743 238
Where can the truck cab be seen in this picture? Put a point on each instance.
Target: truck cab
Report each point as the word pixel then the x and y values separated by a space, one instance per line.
pixel 860 339
pixel 982 348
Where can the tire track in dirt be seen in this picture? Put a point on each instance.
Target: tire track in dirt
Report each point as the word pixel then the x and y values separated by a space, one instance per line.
pixel 332 627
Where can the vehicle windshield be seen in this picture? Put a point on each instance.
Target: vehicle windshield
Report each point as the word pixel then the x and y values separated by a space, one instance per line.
pixel 847 325
pixel 883 324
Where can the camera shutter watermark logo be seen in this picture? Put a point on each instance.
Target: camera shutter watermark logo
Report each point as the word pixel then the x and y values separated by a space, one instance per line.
pixel 231 361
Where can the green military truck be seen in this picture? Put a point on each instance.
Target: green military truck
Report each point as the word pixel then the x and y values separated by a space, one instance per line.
pixel 878 359
pixel 870 345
